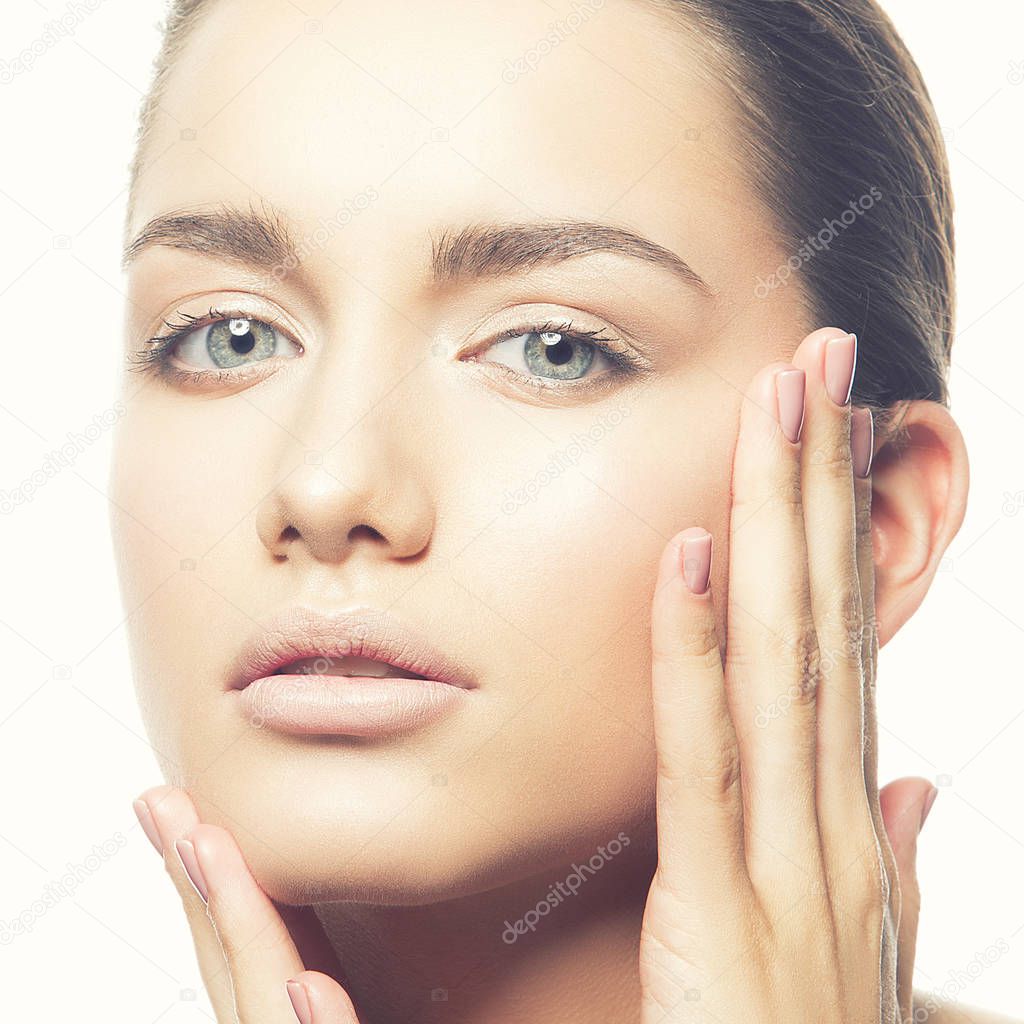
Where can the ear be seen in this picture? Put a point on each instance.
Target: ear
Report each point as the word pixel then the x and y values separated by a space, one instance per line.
pixel 919 496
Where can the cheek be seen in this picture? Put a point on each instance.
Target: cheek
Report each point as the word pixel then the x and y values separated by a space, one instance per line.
pixel 184 472
pixel 562 584
pixel 177 497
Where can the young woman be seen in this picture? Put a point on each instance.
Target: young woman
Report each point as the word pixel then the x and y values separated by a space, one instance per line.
pixel 507 543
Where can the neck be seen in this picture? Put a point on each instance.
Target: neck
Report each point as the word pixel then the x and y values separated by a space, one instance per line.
pixel 464 961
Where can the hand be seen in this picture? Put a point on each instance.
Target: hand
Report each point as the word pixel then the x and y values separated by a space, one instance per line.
pixel 248 947
pixel 777 897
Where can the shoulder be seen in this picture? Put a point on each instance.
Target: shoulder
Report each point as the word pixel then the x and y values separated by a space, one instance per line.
pixel 939 1011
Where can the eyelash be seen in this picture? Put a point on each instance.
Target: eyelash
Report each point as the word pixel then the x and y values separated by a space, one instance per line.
pixel 157 356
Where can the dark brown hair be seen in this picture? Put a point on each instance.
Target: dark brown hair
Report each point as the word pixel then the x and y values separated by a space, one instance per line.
pixel 834 110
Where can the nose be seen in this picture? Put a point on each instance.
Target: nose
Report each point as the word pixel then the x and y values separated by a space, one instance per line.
pixel 359 493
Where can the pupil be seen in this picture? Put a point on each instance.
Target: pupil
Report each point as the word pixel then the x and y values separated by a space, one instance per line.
pixel 243 343
pixel 559 353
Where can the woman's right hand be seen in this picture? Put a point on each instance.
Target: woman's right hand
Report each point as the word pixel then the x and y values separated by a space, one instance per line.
pixel 252 954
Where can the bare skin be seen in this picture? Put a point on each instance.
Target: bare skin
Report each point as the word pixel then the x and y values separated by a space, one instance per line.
pixel 389 379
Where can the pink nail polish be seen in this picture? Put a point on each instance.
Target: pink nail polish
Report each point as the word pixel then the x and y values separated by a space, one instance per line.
pixel 862 440
pixel 145 816
pixel 840 361
pixel 790 385
pixel 300 1002
pixel 190 862
pixel 697 562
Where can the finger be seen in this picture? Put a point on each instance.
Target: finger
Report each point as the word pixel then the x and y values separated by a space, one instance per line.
pixel 319 999
pixel 828 356
pixel 869 663
pixel 699 800
pixel 257 946
pixel 772 657
pixel 168 811
pixel 905 804
pixel 834 440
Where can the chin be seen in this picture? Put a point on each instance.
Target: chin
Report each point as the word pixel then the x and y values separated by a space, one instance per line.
pixel 374 832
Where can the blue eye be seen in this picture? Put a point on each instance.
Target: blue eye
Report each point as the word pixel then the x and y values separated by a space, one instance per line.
pixel 550 354
pixel 225 344
pixel 218 343
pixel 556 353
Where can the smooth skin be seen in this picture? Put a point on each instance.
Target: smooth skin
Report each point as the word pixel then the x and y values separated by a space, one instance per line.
pixel 800 901
pixel 375 469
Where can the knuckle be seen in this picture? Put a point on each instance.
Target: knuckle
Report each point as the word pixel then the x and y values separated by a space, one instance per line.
pixel 697 646
pixel 714 772
pixel 843 623
pixel 775 491
pixel 871 888
pixel 798 649
pixel 833 457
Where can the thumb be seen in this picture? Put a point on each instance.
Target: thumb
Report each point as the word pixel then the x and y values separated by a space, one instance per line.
pixel 905 804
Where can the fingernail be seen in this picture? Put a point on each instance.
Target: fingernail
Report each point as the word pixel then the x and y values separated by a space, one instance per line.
pixel 697 562
pixel 300 1001
pixel 927 805
pixel 145 816
pixel 862 440
pixel 190 862
pixel 840 360
pixel 790 386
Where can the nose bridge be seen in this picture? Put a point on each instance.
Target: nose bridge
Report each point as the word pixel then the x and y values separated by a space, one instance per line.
pixel 352 396
pixel 354 472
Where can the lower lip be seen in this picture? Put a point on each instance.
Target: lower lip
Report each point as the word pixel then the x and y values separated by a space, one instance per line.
pixel 373 706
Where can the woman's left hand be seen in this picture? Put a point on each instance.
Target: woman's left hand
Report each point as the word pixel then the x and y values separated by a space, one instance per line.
pixel 256 957
pixel 778 897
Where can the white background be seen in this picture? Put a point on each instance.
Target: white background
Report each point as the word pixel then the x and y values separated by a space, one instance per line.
pixel 73 753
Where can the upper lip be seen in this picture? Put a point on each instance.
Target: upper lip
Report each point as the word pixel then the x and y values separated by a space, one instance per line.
pixel 363 632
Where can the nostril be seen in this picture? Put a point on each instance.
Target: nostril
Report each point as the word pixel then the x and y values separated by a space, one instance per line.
pixel 289 533
pixel 369 531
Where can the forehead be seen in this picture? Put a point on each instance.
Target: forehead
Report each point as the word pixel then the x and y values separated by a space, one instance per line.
pixel 447 110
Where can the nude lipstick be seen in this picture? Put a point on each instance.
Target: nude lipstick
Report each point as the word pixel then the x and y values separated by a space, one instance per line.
pixel 359 672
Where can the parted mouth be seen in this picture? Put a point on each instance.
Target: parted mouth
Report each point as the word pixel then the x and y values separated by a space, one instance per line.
pixel 360 641
pixel 322 665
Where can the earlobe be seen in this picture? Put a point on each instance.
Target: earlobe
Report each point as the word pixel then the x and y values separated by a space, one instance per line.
pixel 919 497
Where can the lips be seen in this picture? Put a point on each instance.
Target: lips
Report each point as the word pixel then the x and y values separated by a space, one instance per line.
pixel 359 642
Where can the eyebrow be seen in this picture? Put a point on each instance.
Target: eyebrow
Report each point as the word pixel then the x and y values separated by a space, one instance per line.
pixel 260 237
pixel 482 250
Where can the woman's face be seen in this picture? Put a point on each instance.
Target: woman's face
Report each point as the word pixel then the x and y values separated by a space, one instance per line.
pixel 382 447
